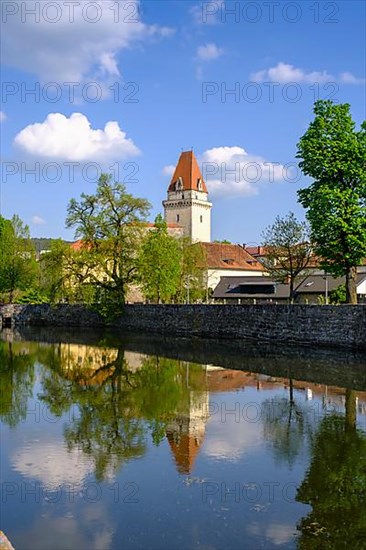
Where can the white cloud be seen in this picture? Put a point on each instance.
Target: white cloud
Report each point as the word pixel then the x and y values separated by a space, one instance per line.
pixel 52 464
pixel 285 73
pixel 109 64
pixel 37 220
pixel 349 78
pixel 2 116
pixel 168 170
pixel 226 442
pixel 209 52
pixel 73 48
pixel 233 171
pixel 73 139
pixel 278 533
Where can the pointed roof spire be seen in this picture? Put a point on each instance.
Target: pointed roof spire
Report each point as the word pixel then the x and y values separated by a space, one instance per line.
pixel 188 174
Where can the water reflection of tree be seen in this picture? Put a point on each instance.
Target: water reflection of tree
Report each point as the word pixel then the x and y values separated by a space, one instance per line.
pixel 117 406
pixel 335 484
pixel 105 429
pixel 16 381
pixel 287 424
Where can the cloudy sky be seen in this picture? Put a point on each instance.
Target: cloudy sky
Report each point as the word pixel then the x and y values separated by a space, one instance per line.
pixel 125 86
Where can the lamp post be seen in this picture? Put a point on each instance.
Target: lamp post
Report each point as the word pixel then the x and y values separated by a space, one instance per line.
pixel 326 288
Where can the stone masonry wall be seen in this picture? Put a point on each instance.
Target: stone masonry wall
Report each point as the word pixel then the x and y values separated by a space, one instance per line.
pixel 45 315
pixel 330 326
pixel 334 326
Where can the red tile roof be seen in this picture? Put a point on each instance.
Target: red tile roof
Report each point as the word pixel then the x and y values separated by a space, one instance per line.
pixel 256 250
pixel 78 245
pixel 230 256
pixel 188 172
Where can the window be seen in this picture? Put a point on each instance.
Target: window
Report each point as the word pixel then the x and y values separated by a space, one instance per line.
pixel 201 219
pixel 177 218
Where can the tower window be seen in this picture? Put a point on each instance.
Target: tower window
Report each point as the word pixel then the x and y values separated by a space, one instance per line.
pixel 177 218
pixel 179 184
pixel 201 219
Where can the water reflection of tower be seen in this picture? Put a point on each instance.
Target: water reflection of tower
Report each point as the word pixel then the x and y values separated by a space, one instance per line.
pixel 186 431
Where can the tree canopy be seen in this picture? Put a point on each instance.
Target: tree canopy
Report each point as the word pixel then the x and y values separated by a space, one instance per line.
pixel 160 263
pixel 18 266
pixel 110 224
pixel 335 484
pixel 288 249
pixel 333 153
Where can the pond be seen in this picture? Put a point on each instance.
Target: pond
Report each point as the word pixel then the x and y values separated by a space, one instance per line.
pixel 135 442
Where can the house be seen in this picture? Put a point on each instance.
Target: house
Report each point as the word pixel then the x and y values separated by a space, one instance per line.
pixel 311 290
pixel 316 285
pixel 223 260
pixel 255 289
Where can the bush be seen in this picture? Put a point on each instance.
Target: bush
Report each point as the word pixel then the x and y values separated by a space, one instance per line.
pixel 338 295
pixel 32 296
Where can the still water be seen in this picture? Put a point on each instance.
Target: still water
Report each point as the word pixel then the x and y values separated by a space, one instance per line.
pixel 134 443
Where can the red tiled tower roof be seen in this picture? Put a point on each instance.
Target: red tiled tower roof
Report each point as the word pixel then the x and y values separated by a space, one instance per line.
pixel 187 171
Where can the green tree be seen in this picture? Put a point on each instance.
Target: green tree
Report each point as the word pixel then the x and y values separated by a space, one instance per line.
pixel 110 224
pixel 193 274
pixel 160 263
pixel 288 250
pixel 17 377
pixel 66 274
pixel 334 155
pixel 335 484
pixel 18 265
pixel 52 270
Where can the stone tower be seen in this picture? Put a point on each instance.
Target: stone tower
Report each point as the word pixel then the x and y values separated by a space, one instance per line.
pixel 187 204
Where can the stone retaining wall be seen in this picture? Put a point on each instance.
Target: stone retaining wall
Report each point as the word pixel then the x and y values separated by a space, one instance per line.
pixel 329 326
pixel 334 326
pixel 45 315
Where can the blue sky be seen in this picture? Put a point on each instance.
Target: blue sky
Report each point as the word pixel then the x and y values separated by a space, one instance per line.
pixel 173 64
